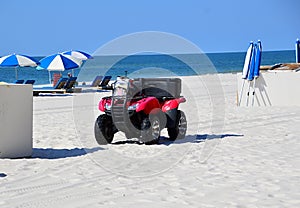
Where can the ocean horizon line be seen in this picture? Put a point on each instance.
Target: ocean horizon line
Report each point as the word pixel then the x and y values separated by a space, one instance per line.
pixel 175 54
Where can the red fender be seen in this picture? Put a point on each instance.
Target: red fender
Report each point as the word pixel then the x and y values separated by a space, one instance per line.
pixel 172 104
pixel 101 105
pixel 147 105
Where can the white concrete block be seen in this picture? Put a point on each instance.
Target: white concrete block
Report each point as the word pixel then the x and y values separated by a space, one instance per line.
pixel 16 110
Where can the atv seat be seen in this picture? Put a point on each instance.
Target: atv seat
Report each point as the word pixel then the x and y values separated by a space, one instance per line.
pixel 159 87
pixel 160 94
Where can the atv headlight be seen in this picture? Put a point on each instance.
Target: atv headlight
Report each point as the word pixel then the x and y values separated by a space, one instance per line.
pixel 107 106
pixel 133 107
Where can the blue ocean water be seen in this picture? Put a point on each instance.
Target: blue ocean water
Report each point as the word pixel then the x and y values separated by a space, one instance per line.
pixel 154 65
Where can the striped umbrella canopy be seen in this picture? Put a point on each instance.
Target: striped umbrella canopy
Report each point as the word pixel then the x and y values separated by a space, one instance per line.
pixel 59 62
pixel 17 60
pixel 78 54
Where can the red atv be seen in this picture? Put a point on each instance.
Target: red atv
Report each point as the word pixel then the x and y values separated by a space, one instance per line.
pixel 141 108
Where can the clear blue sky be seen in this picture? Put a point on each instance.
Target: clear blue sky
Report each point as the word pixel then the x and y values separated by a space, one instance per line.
pixel 44 27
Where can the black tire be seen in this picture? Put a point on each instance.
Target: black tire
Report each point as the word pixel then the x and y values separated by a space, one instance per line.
pixel 104 129
pixel 151 128
pixel 179 131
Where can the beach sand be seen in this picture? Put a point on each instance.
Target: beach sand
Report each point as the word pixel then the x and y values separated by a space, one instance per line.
pixel 231 157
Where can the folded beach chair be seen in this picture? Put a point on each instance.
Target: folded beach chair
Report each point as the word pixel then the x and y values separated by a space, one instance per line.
pixel 104 84
pixel 30 81
pixel 19 81
pixel 58 88
pixel 96 81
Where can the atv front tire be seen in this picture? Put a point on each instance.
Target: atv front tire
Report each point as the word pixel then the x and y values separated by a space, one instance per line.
pixel 104 129
pixel 179 131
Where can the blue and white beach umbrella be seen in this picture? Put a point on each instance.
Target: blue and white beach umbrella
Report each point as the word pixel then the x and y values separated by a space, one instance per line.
pixel 78 54
pixel 59 62
pixel 17 60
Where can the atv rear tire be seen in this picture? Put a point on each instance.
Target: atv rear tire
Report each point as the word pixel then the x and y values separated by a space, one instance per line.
pixel 179 131
pixel 104 129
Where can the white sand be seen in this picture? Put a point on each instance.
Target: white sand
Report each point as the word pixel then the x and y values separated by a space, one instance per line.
pixel 251 157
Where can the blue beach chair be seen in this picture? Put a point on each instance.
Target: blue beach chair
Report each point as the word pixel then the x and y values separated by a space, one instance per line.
pixel 96 81
pixel 104 84
pixel 70 83
pixel 60 83
pixel 58 88
pixel 19 81
pixel 30 81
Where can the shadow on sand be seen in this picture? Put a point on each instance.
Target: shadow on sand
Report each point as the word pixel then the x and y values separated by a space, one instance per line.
pixel 188 139
pixel 197 138
pixel 51 153
pixel 129 141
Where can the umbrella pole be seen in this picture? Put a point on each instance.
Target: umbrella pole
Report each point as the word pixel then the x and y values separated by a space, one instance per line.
pixel 16 70
pixel 253 94
pixel 241 94
pixel 49 74
pixel 248 93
